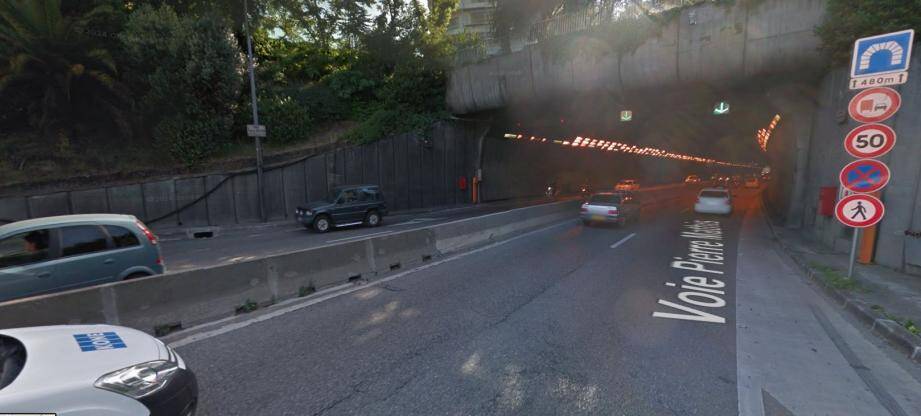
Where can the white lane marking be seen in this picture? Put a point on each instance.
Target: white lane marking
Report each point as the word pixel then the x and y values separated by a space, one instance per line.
pixel 334 292
pixel 623 240
pixel 355 237
pixel 414 221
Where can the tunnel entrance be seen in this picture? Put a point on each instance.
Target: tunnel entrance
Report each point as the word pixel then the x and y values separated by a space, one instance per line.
pixel 598 138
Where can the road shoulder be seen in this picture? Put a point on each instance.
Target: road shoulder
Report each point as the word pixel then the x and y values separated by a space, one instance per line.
pixel 796 348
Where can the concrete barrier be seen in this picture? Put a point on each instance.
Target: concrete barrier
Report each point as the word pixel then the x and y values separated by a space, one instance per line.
pixel 160 303
pixel 463 234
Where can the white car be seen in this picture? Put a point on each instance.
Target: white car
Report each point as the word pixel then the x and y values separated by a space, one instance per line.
pixel 92 370
pixel 714 201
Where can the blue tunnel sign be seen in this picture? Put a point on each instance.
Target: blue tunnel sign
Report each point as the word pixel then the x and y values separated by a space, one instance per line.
pixel 881 59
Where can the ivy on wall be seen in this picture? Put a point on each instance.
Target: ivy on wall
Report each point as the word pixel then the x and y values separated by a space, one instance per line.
pixel 848 20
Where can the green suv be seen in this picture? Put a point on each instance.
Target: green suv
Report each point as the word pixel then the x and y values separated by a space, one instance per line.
pixel 346 205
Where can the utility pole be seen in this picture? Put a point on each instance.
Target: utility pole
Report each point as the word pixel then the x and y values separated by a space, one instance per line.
pixel 260 183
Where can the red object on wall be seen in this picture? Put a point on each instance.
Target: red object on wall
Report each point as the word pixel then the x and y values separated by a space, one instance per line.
pixel 827 196
pixel 462 183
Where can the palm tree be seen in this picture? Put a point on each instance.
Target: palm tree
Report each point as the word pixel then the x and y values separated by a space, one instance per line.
pixel 48 60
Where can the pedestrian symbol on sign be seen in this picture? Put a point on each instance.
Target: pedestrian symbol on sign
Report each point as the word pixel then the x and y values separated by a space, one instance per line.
pixel 861 210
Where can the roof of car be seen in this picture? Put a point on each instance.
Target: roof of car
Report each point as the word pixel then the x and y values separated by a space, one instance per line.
pixel 65 219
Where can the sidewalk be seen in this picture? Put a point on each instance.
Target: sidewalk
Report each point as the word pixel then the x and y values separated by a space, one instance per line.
pixel 885 299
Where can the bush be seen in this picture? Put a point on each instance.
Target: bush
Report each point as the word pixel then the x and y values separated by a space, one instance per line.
pixel 350 84
pixel 191 139
pixel 320 102
pixel 390 120
pixel 286 120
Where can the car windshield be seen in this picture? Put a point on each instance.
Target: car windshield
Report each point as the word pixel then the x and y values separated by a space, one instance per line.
pixel 464 207
pixel 12 360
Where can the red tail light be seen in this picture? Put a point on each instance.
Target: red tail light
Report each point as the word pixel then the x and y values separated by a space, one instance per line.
pixel 612 211
pixel 150 236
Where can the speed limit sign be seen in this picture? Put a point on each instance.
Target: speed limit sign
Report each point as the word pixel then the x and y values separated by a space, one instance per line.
pixel 869 140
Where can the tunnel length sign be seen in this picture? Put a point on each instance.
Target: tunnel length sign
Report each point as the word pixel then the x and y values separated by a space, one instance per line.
pixel 881 60
pixel 869 140
pixel 860 211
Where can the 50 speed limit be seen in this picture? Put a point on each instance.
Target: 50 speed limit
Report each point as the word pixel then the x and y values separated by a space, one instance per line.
pixel 869 140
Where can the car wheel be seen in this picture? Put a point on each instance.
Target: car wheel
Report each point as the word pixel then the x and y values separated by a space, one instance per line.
pixel 373 219
pixel 137 275
pixel 321 224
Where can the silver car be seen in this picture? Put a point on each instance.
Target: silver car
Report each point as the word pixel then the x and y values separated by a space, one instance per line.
pixel 714 201
pixel 52 254
pixel 610 207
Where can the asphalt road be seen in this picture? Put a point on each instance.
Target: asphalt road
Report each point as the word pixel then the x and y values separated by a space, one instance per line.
pixel 244 243
pixel 564 320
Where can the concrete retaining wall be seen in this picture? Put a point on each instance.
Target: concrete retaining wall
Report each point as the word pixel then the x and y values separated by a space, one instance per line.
pixel 708 43
pixel 413 174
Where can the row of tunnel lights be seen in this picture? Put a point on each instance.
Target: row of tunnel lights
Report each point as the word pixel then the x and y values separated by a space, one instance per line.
pixel 764 135
pixel 615 146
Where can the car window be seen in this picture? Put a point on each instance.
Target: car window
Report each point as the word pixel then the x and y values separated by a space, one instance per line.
pixel 605 199
pixel 24 249
pixel 370 194
pixel 122 237
pixel 82 239
pixel 713 194
pixel 348 196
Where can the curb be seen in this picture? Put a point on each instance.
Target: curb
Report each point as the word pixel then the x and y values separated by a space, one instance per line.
pixel 883 327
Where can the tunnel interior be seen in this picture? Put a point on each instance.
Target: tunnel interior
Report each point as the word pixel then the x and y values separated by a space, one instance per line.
pixel 524 147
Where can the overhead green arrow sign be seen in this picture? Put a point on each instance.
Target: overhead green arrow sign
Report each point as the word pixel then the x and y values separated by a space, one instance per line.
pixel 721 108
pixel 626 115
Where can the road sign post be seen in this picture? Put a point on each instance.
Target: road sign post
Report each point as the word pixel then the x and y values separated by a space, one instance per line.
pixel 257 133
pixel 877 61
pixel 850 263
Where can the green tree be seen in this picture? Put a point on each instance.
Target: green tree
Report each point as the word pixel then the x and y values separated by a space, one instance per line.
pixel 61 76
pixel 848 20
pixel 189 73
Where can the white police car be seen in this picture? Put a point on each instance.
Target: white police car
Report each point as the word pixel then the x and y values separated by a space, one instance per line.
pixel 92 370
